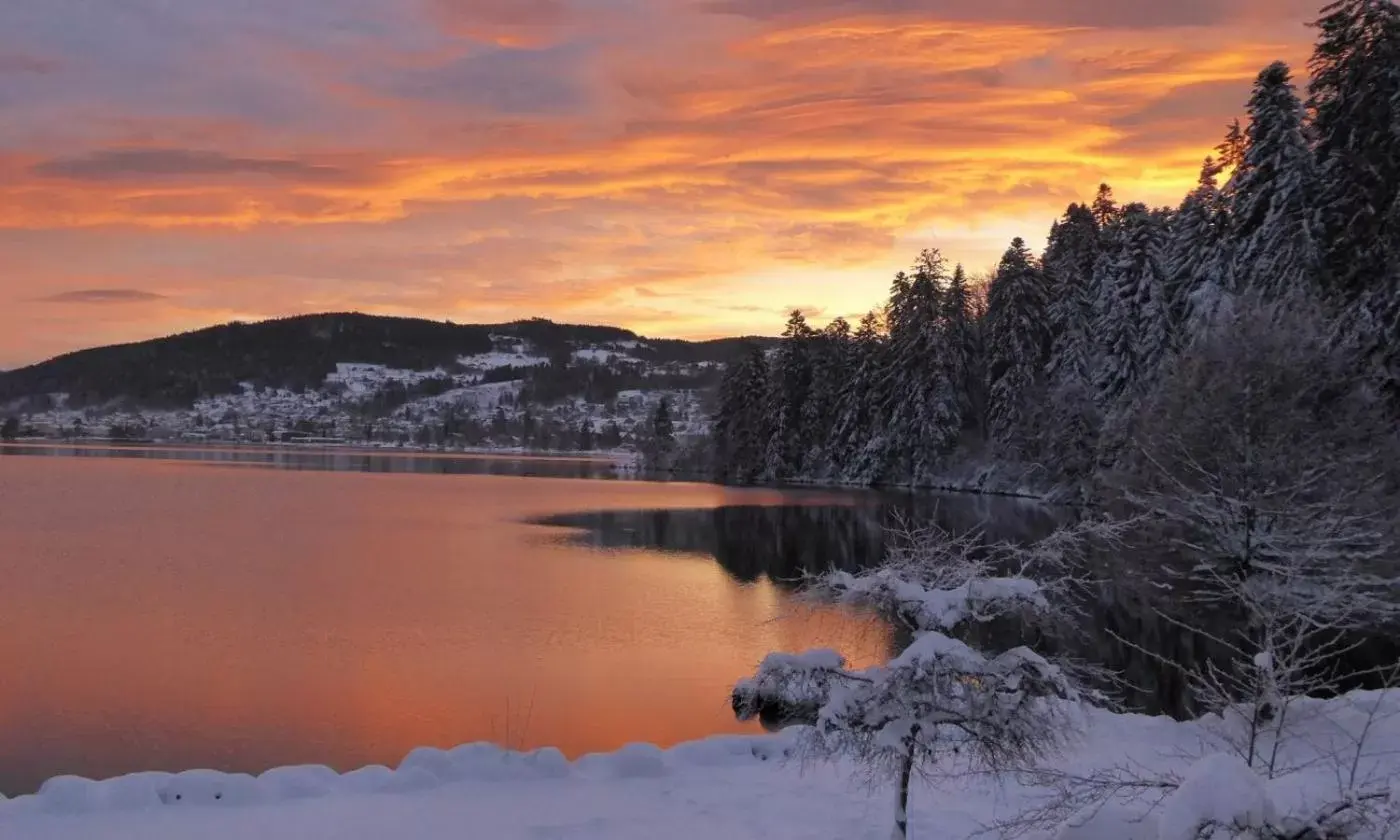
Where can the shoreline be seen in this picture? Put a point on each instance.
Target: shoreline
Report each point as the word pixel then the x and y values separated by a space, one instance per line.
pixel 723 785
pixel 625 460
pixel 619 457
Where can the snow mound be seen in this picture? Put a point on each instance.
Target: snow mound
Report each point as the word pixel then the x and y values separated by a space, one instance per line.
pixel 305 782
pixel 734 750
pixel 1219 797
pixel 634 761
pixel 423 769
pixel 210 787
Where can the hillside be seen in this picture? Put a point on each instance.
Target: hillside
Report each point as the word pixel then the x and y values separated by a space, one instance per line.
pixel 369 378
pixel 297 353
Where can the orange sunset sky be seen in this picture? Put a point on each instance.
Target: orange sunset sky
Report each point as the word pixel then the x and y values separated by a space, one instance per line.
pixel 685 168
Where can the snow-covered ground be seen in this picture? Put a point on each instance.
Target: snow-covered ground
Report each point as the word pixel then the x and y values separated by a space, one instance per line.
pixel 724 787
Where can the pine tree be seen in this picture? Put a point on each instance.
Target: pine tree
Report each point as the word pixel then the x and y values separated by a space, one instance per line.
pixel 741 427
pixel 1070 433
pixel 858 438
pixel 1230 152
pixel 1146 240
pixel 1104 208
pixel 923 421
pixel 1115 322
pixel 585 435
pixel 1070 255
pixel 831 372
pixel 663 428
pixel 1017 341
pixel 1196 255
pixel 962 352
pixel 791 387
pixel 1275 195
pixel 1354 99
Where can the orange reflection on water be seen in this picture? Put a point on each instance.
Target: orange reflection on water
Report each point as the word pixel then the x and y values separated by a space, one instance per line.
pixel 164 615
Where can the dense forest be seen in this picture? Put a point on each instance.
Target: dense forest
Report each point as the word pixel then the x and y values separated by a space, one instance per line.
pixel 298 352
pixel 1261 313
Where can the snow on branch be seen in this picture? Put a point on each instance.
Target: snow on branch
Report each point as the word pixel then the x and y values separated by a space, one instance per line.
pixel 795 684
pixel 934 580
pixel 976 599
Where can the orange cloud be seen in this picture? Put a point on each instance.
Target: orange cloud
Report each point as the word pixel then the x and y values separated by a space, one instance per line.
pixel 678 167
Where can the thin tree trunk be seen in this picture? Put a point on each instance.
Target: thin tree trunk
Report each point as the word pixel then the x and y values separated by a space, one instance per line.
pixel 901 813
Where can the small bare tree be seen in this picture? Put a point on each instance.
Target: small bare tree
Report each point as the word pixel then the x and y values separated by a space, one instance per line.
pixel 1266 472
pixel 940 699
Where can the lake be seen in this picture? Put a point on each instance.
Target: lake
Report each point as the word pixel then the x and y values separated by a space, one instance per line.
pixel 240 610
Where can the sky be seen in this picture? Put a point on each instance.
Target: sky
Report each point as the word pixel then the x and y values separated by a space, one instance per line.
pixel 687 168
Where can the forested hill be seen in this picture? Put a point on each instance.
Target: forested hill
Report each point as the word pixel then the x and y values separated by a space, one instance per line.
pixel 298 352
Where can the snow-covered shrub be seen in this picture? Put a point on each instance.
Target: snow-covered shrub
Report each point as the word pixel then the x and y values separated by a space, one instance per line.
pixel 941 704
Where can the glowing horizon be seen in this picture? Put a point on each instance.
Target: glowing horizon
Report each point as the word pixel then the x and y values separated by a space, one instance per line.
pixel 682 168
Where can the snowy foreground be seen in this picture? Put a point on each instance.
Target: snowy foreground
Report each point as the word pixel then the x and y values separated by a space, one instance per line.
pixel 729 786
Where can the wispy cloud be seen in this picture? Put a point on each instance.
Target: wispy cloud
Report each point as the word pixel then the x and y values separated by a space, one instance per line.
pixel 103 296
pixel 111 164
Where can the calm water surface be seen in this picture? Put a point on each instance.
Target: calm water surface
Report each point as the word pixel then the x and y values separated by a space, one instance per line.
pixel 167 614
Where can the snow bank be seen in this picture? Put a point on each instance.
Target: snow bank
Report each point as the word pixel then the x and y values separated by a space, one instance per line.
pixel 423 769
pixel 735 786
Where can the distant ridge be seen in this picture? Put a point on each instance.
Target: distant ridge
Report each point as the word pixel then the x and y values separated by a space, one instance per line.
pixel 298 352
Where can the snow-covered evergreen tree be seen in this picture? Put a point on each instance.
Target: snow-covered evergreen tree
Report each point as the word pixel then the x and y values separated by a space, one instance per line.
pixel 923 420
pixel 859 439
pixel 832 368
pixel 1017 343
pixel 1132 319
pixel 1071 418
pixel 1146 249
pixel 791 376
pixel 960 328
pixel 1195 259
pixel 741 426
pixel 1070 255
pixel 1354 99
pixel 1274 195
